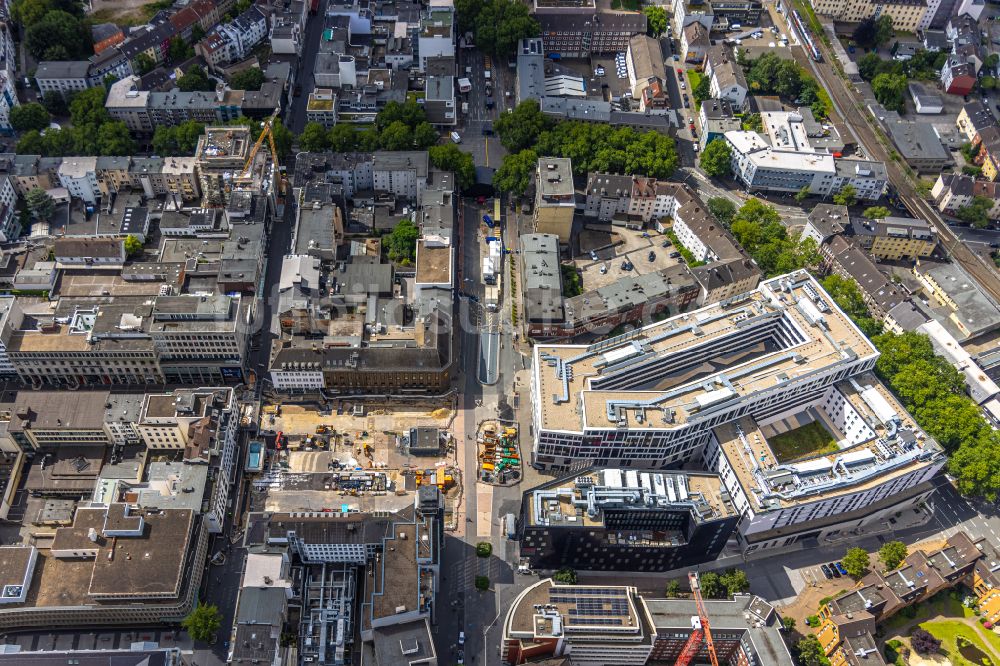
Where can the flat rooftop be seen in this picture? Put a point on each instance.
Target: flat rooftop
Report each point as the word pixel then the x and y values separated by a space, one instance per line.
pixel 701 358
pixel 895 446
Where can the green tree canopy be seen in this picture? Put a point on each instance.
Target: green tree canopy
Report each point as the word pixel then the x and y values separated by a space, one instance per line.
pixel 448 157
pixel 810 652
pixel 31 116
pixel 656 19
pixel 976 212
pixel 892 554
pixel 169 140
pixel 203 622
pixel 251 78
pixel 55 103
pixel 401 243
pixel 133 245
pixel 673 589
pixel 803 194
pixel 711 585
pixel 735 581
pixel 501 24
pixel 408 113
pixel 424 135
pixel 114 138
pixel 178 50
pixel 848 297
pixel 723 209
pixel 877 212
pixel 847 196
pixel 314 138
pixel 343 138
pixel 703 90
pixel 144 63
pixel 195 79
pixel 567 576
pixel 521 128
pixel 856 561
pixel 758 228
pixel 715 159
pixel 62 31
pixel 397 136
pixel 890 91
pixel 39 203
pixel 515 172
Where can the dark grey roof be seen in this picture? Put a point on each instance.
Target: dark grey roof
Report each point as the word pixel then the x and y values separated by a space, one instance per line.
pixel 150 657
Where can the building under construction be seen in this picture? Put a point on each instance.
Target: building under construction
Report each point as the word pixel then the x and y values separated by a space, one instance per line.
pixel 228 159
pixel 601 625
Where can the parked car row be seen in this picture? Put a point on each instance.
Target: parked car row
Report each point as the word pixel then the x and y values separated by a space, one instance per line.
pixel 833 570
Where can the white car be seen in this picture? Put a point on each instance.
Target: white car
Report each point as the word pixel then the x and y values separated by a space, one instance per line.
pixel 599 71
pixel 683 86
pixel 461 638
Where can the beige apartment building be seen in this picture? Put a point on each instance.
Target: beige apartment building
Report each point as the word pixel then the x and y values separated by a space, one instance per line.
pixel 906 14
pixel 555 198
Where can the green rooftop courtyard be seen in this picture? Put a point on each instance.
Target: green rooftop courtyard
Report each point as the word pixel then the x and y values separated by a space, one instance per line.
pixel 805 441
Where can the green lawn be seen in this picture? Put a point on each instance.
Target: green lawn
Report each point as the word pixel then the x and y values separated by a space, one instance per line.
pixel 949 631
pixel 940 604
pixel 694 78
pixel 810 439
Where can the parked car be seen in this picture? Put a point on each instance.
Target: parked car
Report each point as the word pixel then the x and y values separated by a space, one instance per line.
pixel 680 72
pixel 826 571
pixel 651 256
pixel 833 569
pixel 840 568
pixel 666 243
pixel 461 638
pixel 674 255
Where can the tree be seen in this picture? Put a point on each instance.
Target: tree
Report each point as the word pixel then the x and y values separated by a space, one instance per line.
pixel 408 113
pixel 484 549
pixel 656 19
pixel 848 297
pixel 810 652
pixel 251 78
pixel 144 63
pixel 673 589
pixel 343 138
pixel 178 50
pixel 114 138
pixel 711 585
pixel 703 90
pixel 883 29
pixel 868 66
pixel 877 212
pixel 716 158
pixel 567 576
pixel 401 243
pixel 32 116
pixel 923 642
pixel 991 61
pixel 133 245
pixel 802 194
pixel 197 33
pixel 314 138
pixel 424 135
pixel 87 107
pixel 515 172
pixel 890 91
pixel 846 196
pixel 283 138
pixel 975 213
pixel 501 24
pixel 520 128
pixel 448 157
pixel 40 203
pixel 788 623
pixel 735 581
pixel 466 13
pixel 482 583
pixel 203 622
pixel 722 208
pixel 396 136
pixel 58 29
pixel 988 82
pixel 195 79
pixel 892 553
pixel 177 139
pixel 55 103
pixel 753 123
pixel 856 561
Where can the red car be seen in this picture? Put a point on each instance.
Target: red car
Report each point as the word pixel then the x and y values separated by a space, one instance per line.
pixel 680 72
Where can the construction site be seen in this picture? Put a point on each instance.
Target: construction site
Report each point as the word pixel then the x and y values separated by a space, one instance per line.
pixel 359 457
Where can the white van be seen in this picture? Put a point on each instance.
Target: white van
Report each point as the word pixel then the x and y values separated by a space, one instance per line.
pixel 456 137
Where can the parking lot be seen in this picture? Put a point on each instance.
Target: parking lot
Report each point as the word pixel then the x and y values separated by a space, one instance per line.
pixel 612 247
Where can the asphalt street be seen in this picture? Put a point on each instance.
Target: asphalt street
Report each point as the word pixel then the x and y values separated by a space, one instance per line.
pixel 296 118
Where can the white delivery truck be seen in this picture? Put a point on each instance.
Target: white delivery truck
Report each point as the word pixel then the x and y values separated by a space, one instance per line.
pixel 464 85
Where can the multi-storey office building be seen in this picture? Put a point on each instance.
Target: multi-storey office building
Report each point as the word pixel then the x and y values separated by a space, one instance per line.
pixel 626 520
pixel 701 384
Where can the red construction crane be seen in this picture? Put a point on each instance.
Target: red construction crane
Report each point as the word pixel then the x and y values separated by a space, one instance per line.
pixel 700 629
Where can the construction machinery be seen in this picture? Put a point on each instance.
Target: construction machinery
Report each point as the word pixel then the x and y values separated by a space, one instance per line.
pixel 266 132
pixel 700 629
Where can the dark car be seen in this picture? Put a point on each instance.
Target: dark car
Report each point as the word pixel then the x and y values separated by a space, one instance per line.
pixel 666 243
pixel 826 571
pixel 651 256
pixel 674 255
pixel 487 130
pixel 489 103
pixel 834 570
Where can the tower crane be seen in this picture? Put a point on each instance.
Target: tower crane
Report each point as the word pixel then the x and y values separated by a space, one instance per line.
pixel 246 174
pixel 700 629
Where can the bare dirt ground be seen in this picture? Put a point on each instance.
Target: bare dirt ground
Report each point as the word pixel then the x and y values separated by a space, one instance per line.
pixel 123 12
